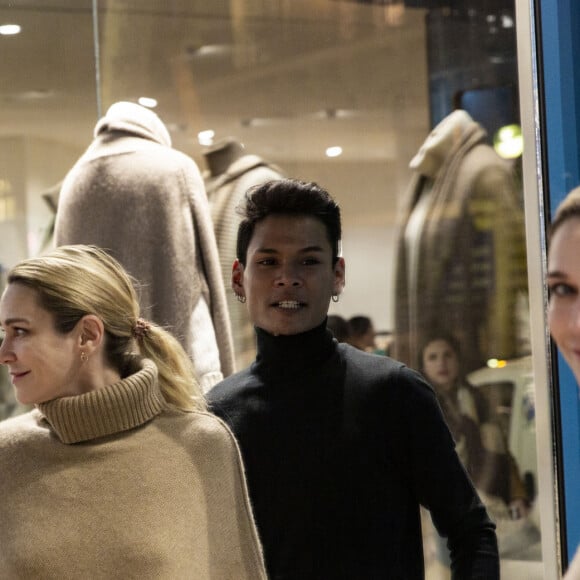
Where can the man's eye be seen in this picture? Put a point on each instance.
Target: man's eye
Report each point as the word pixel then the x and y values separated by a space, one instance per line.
pixel 266 262
pixel 311 261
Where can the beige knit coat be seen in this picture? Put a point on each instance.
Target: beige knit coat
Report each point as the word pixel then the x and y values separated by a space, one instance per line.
pixel 112 484
pixel 471 264
pixel 145 202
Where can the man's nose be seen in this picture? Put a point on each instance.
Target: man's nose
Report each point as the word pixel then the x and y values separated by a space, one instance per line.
pixel 288 276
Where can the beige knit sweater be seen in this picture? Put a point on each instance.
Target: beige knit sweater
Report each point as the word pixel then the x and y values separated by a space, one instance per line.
pixel 134 195
pixel 114 484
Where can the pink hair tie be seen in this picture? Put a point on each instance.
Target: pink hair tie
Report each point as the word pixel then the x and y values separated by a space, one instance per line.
pixel 141 328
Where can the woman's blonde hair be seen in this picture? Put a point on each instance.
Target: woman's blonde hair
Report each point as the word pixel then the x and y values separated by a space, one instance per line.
pixel 73 281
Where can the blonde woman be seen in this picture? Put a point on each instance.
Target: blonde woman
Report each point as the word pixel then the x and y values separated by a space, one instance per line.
pixel 564 306
pixel 118 471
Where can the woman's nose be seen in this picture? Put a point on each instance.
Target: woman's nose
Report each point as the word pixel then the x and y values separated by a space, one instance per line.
pixel 6 355
pixel 574 319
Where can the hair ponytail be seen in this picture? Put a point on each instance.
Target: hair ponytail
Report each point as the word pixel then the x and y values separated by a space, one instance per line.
pixel 177 379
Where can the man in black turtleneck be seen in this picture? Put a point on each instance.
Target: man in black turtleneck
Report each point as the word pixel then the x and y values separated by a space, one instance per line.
pixel 340 447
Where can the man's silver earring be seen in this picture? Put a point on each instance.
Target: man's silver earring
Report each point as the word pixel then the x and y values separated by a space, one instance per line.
pixel 335 298
pixel 84 356
pixel 240 298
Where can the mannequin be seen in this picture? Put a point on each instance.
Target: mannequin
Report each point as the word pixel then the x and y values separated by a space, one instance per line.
pixel 231 172
pixel 135 195
pixel 221 155
pixel 461 257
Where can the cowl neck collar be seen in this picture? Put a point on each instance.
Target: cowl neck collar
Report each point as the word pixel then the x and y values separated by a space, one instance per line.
pixel 122 406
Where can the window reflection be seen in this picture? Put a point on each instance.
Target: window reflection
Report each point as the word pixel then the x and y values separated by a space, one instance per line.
pixel 290 80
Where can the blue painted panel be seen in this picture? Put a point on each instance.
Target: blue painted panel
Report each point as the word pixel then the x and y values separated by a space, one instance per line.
pixel 562 96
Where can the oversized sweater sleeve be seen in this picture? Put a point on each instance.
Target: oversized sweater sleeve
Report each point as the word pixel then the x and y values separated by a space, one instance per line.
pixel 443 486
pixel 239 556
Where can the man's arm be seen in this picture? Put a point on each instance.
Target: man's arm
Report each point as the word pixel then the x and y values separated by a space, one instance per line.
pixel 443 486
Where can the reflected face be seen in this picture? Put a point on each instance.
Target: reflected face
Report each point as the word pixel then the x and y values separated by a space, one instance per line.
pixel 43 364
pixel 289 277
pixel 564 285
pixel 368 339
pixel 440 365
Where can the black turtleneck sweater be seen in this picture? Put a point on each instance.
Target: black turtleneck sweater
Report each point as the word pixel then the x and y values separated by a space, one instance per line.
pixel 340 448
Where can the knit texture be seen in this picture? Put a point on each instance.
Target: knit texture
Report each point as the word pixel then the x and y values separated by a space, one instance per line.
pixel 133 195
pixel 138 491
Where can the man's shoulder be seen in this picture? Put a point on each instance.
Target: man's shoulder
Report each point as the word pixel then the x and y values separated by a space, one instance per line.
pixel 231 387
pixel 374 368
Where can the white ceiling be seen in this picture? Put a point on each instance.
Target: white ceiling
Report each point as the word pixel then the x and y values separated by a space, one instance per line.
pixel 287 77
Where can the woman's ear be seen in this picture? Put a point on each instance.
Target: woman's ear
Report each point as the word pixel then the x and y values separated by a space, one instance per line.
pixel 91 332
pixel 238 278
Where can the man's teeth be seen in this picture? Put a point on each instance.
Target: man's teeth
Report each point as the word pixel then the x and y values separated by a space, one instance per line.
pixel 289 304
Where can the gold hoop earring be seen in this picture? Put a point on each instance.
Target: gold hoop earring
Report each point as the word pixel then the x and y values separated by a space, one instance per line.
pixel 84 356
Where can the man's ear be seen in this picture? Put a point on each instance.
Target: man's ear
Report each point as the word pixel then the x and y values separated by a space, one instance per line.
pixel 91 332
pixel 339 276
pixel 238 278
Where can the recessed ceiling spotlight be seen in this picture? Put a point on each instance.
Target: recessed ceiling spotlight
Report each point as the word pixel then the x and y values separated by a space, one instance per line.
pixel 208 50
pixel 205 138
pixel 9 29
pixel 147 102
pixel 335 151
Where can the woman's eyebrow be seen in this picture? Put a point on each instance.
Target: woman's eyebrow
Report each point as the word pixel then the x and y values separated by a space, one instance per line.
pixel 556 274
pixel 14 320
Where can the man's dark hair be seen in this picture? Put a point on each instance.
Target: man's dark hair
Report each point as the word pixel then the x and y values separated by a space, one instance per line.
pixel 287 197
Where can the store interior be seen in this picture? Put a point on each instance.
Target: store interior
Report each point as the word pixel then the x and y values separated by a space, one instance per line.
pixel 341 92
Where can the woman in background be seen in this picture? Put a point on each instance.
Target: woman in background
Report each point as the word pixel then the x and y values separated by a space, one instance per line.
pixel 480 442
pixel 118 471
pixel 564 287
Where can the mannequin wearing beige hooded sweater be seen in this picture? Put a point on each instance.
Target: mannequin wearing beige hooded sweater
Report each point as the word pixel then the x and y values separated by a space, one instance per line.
pixel 231 172
pixel 460 214
pixel 134 195
pixel 86 492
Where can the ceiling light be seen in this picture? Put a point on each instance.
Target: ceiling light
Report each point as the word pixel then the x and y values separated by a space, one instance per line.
pixel 509 142
pixel 205 138
pixel 335 151
pixel 147 102
pixel 208 50
pixel 9 29
pixel 507 21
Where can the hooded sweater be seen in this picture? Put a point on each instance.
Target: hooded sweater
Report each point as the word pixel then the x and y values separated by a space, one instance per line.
pixel 461 260
pixel 116 484
pixel 134 195
pixel 341 448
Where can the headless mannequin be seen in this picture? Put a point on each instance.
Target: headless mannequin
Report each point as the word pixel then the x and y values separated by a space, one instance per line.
pixel 130 168
pixel 231 172
pixel 221 155
pixel 440 143
pixel 461 211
